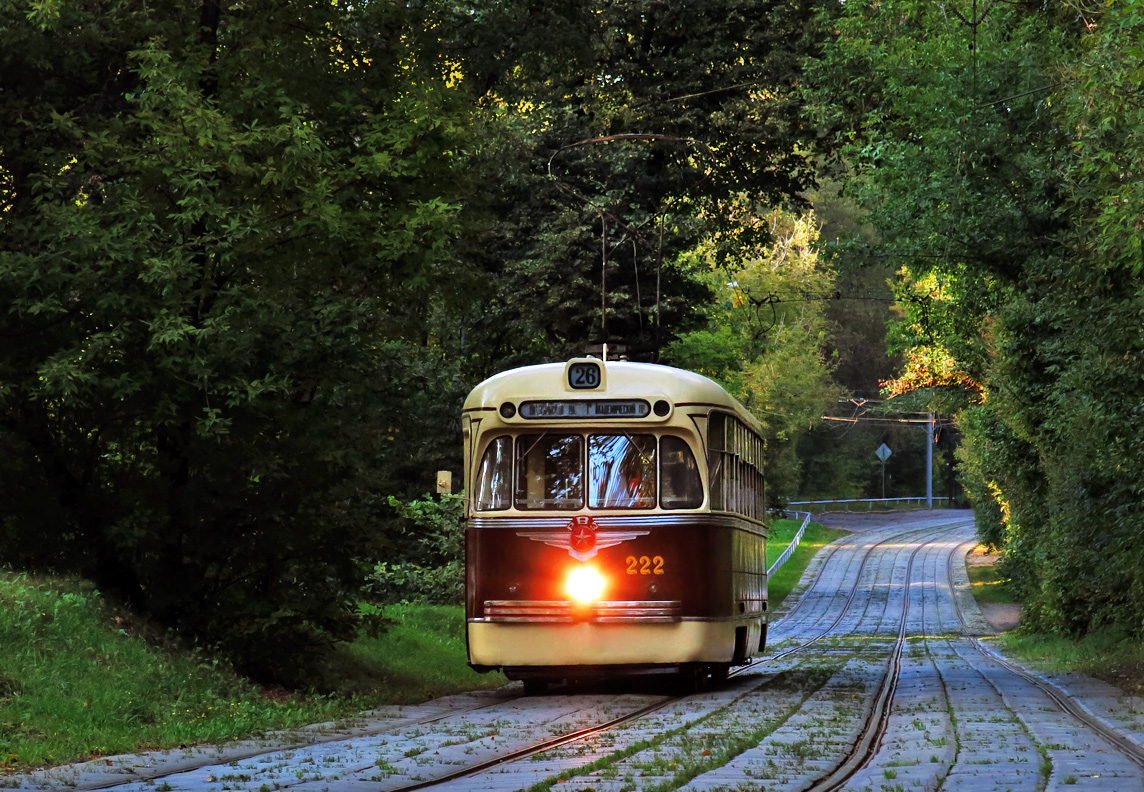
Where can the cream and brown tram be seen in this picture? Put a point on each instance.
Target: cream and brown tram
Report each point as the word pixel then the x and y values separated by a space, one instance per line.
pixel 615 524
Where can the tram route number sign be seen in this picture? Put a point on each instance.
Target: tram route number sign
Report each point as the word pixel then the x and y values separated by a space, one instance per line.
pixel 584 376
pixel 883 452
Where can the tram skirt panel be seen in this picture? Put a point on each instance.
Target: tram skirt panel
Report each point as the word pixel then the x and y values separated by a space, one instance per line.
pixel 601 644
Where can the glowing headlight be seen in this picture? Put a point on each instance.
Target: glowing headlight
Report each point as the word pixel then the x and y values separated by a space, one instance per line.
pixel 585 584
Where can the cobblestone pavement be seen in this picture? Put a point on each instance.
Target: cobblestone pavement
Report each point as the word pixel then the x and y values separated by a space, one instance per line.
pixel 879 671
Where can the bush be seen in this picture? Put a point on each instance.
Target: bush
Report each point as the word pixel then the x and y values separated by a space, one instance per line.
pixel 431 569
pixel 413 583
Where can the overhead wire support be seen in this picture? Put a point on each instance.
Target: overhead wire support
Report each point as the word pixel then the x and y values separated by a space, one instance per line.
pixel 930 423
pixel 884 421
pixel 629 231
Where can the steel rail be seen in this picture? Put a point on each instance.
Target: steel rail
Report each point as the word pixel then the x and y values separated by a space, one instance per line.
pixel 1128 746
pixel 878 716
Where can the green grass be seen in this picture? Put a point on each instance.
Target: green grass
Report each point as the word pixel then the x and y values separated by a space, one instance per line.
pixel 989 585
pixel 80 678
pixel 787 576
pixel 1109 654
pixel 420 656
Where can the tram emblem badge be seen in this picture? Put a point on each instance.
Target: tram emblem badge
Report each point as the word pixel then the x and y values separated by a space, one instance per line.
pixel 582 537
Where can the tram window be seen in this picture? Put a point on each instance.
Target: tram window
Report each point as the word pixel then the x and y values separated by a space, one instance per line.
pixel 715 476
pixel 621 471
pixel 716 456
pixel 549 471
pixel 717 432
pixel 734 467
pixel 494 478
pixel 680 486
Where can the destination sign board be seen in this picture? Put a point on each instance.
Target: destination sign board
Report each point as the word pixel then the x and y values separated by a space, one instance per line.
pixel 585 409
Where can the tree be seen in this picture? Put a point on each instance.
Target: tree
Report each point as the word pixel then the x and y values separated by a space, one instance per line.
pixel 218 225
pixel 1000 157
pixel 622 134
pixel 766 334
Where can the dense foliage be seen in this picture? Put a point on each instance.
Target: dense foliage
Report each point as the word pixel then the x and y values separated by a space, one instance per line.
pixel 765 336
pixel 253 254
pixel 430 567
pixel 621 136
pixel 999 155
pixel 218 226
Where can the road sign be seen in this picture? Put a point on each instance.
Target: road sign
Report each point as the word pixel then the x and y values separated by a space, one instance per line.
pixel 883 453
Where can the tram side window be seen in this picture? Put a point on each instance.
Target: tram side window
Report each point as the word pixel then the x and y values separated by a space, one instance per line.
pixel 621 471
pixel 494 478
pixel 680 485
pixel 734 458
pixel 717 459
pixel 549 472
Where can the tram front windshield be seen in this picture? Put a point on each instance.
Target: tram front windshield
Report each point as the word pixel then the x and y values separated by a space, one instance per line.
pixel 563 471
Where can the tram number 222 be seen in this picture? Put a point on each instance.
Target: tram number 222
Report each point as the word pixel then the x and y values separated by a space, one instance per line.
pixel 645 565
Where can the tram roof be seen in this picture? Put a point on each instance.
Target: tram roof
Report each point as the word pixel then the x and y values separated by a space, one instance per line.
pixel 624 379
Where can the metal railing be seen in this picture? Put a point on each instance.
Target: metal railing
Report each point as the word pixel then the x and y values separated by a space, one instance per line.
pixel 786 554
pixel 782 559
pixel 826 503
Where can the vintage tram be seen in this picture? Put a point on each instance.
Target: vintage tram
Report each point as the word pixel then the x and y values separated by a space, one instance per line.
pixel 615 524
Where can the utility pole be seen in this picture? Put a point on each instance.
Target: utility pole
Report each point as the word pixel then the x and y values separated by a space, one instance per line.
pixel 929 462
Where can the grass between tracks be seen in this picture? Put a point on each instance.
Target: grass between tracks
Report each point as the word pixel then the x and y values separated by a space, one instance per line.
pixel 1109 654
pixel 81 678
pixel 814 539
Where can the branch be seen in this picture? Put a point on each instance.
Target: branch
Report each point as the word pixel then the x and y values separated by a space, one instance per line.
pixel 685 97
pixel 627 136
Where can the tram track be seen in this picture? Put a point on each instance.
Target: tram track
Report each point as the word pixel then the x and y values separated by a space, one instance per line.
pixel 532 750
pixel 842 611
pixel 1058 742
pixel 1057 759
pixel 865 746
pixel 874 727
pixel 143 777
pixel 1130 748
pixel 187 766
pixel 867 741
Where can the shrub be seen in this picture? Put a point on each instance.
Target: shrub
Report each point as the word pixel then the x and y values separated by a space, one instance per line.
pixel 431 568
